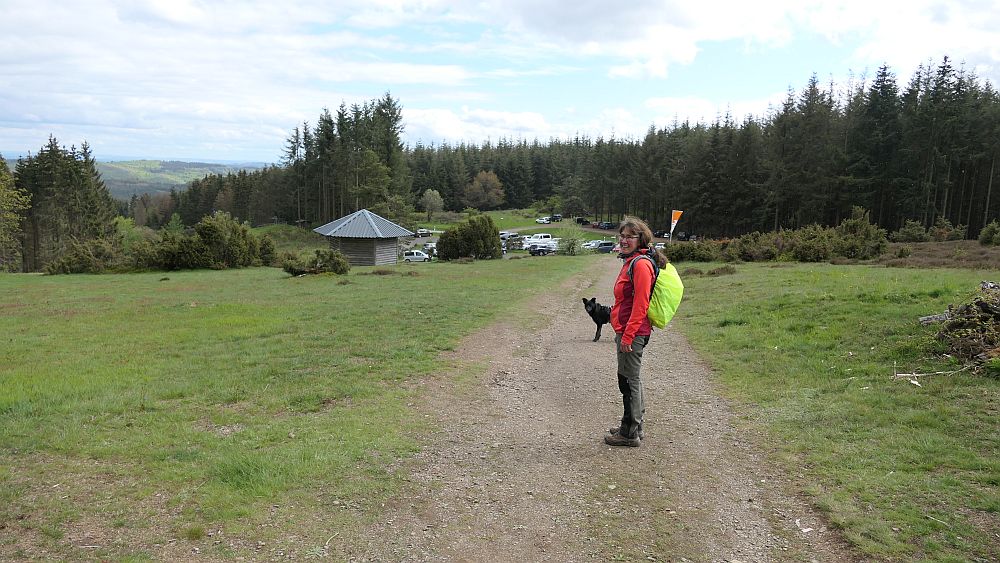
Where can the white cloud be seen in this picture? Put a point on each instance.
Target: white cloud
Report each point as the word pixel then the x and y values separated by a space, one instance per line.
pixel 200 73
pixel 474 125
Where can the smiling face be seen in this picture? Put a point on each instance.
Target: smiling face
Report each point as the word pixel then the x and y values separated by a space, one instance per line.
pixel 628 240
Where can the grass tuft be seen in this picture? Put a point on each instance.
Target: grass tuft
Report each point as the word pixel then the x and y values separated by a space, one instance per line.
pixel 193 533
pixel 726 270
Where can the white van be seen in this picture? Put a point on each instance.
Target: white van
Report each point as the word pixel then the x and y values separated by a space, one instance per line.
pixel 415 256
pixel 537 237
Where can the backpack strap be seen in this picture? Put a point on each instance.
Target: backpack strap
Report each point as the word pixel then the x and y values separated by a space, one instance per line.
pixel 656 270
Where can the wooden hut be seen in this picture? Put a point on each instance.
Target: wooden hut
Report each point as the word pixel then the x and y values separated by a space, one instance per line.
pixel 365 238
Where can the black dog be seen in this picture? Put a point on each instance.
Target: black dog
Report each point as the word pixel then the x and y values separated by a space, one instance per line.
pixel 600 313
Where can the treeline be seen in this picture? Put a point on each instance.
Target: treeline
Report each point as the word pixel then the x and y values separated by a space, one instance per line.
pixel 64 202
pixel 923 152
pixel 348 161
pixel 926 152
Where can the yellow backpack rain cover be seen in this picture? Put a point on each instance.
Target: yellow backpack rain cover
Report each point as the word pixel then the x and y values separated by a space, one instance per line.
pixel 667 292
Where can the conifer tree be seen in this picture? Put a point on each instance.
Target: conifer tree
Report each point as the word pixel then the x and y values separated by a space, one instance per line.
pixel 13 201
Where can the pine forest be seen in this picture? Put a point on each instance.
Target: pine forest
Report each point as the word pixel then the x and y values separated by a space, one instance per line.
pixel 925 151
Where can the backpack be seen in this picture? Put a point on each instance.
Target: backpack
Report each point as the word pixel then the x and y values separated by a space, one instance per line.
pixel 666 294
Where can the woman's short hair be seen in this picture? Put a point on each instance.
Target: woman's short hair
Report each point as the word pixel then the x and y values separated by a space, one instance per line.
pixel 639 227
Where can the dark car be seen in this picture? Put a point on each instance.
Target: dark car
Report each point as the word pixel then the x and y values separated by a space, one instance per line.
pixel 607 225
pixel 583 221
pixel 556 217
pixel 661 234
pixel 541 249
pixel 605 247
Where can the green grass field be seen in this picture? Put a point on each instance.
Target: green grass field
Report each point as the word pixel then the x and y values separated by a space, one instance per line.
pixel 165 406
pixel 809 352
pixel 168 403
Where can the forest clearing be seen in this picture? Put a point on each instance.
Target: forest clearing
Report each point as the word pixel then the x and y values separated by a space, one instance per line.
pixel 246 414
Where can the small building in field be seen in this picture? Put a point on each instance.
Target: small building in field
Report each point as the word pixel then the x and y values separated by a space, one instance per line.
pixel 365 238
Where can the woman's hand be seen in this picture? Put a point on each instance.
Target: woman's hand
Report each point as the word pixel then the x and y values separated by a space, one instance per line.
pixel 626 347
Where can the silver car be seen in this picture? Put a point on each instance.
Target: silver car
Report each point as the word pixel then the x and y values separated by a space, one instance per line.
pixel 416 256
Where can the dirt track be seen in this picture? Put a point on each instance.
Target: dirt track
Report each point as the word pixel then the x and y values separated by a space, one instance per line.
pixel 517 469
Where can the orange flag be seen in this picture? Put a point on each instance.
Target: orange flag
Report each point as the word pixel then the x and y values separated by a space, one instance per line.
pixel 674 217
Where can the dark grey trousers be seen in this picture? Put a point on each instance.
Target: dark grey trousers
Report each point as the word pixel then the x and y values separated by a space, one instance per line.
pixel 630 385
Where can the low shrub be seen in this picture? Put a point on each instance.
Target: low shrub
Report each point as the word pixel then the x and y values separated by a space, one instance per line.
pixel 570 246
pixel 182 252
pixel 751 247
pixel 903 251
pixel 990 235
pixel 229 243
pixel 93 256
pixel 911 231
pixel 943 230
pixel 266 251
pixel 812 243
pixel 703 251
pixel 858 238
pixel 320 261
pixel 476 238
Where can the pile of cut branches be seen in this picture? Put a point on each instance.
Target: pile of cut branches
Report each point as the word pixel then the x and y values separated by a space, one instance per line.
pixel 972 330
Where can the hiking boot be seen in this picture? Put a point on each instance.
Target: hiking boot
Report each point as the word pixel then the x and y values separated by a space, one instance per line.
pixel 619 440
pixel 615 429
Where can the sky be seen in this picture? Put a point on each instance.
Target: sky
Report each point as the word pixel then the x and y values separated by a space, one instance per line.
pixel 229 80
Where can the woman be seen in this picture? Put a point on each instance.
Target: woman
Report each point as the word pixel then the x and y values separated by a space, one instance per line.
pixel 632 328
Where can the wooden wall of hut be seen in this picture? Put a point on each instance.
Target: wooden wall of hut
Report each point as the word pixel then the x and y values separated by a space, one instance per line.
pixel 366 251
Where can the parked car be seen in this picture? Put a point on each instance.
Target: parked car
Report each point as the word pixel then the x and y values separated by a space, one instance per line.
pixel 660 245
pixel 583 221
pixel 423 233
pixel 591 244
pixel 543 220
pixel 661 234
pixel 431 248
pixel 555 217
pixel 416 256
pixel 504 235
pixel 537 237
pixel 543 248
pixel 605 246
pixel 607 225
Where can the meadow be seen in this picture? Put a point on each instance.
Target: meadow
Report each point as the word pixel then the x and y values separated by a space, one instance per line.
pixel 809 352
pixel 172 407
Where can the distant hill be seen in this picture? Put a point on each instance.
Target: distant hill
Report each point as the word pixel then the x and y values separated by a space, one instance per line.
pixel 126 178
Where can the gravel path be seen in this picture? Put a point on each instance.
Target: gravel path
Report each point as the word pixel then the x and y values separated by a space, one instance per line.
pixel 517 470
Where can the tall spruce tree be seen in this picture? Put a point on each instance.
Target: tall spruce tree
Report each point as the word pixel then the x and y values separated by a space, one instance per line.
pixel 69 202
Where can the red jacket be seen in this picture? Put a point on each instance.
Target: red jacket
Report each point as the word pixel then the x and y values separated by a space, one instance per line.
pixel 628 315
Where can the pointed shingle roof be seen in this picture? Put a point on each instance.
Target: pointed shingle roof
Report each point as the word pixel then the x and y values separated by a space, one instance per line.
pixel 362 224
